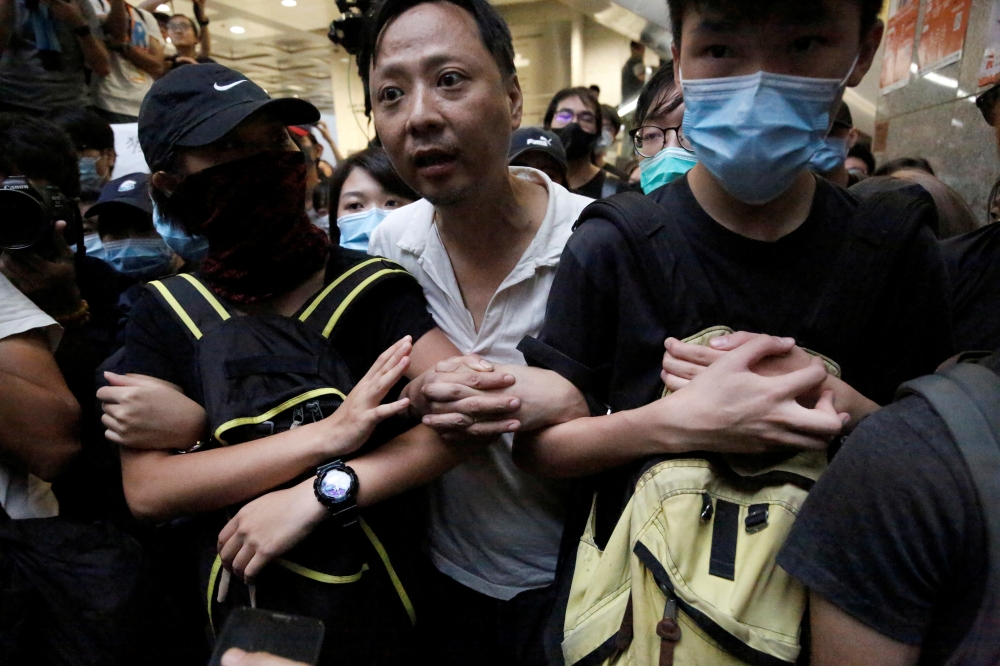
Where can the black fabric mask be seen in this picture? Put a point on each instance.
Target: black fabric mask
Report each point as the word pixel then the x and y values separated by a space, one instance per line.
pixel 577 141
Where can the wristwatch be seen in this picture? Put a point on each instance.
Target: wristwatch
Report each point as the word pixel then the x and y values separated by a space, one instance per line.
pixel 336 488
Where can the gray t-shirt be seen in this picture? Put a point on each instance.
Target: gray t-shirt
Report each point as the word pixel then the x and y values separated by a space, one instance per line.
pixel 24 79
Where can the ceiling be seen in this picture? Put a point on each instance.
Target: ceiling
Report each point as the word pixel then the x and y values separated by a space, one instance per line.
pixel 282 48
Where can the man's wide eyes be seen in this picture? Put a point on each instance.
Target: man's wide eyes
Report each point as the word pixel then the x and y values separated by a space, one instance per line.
pixel 450 79
pixel 391 94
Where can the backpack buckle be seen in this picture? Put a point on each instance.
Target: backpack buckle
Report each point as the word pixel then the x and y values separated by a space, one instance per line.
pixel 706 507
pixel 756 520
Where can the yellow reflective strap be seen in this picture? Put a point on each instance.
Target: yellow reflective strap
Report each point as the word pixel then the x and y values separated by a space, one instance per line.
pixel 318 576
pixel 172 302
pixel 403 596
pixel 333 285
pixel 266 416
pixel 354 294
pixel 212 577
pixel 209 296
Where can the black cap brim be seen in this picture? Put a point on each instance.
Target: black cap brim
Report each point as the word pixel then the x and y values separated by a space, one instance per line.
pixel 97 209
pixel 289 110
pixel 537 149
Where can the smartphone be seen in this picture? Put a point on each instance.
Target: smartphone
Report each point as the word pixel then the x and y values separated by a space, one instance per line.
pixel 255 630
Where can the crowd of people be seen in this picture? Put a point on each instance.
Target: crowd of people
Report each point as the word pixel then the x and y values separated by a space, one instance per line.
pixel 483 393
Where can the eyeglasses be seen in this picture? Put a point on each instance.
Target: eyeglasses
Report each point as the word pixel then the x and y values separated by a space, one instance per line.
pixel 649 139
pixel 568 115
pixel 987 103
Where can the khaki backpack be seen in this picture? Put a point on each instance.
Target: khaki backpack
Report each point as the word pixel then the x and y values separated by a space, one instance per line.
pixel 688 575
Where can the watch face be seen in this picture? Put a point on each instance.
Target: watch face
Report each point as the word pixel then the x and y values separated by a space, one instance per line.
pixel 336 484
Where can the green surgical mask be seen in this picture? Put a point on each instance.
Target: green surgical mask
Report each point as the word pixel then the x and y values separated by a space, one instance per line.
pixel 665 167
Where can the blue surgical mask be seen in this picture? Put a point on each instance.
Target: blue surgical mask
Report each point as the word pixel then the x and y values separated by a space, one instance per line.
pixel 142 258
pixel 190 248
pixel 91 182
pixel 756 133
pixel 95 248
pixel 830 156
pixel 356 228
pixel 665 167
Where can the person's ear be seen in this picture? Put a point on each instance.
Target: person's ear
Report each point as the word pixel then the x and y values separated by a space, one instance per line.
pixel 165 182
pixel 869 45
pixel 108 157
pixel 852 137
pixel 516 99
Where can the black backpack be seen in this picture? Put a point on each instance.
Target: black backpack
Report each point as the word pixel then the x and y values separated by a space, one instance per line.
pixel 265 374
pixel 967 398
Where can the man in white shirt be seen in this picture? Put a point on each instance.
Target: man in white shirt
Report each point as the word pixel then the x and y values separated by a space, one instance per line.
pixel 484 243
pixel 137 59
pixel 39 417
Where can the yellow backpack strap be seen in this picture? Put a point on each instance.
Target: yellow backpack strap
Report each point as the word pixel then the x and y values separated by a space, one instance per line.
pixel 329 306
pixel 193 303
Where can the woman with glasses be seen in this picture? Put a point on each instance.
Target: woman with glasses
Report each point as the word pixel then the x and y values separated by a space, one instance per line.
pixel 574 115
pixel 664 154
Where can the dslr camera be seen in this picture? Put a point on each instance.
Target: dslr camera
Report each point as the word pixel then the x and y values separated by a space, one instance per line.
pixel 28 213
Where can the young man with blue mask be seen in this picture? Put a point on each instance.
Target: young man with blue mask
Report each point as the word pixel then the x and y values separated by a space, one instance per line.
pixel 128 240
pixel 750 240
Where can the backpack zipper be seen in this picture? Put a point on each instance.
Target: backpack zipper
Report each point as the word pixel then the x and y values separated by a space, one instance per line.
pixel 298 418
pixel 314 411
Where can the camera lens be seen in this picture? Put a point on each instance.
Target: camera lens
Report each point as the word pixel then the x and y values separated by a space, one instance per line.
pixel 23 220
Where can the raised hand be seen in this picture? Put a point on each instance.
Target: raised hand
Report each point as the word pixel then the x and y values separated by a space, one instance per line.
pixel 355 420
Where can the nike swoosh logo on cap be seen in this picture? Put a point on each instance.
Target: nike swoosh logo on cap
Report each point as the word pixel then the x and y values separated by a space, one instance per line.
pixel 229 85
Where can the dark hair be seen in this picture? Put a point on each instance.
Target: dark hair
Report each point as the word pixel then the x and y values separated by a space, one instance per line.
pixel 493 30
pixel 86 129
pixel 635 46
pixel 953 214
pixel 586 96
pixel 870 10
pixel 863 153
pixel 596 89
pixel 660 95
pixel 376 162
pixel 39 149
pixel 892 166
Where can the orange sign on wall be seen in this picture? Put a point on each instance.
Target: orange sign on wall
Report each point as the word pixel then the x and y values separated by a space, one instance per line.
pixel 989 72
pixel 900 32
pixel 943 36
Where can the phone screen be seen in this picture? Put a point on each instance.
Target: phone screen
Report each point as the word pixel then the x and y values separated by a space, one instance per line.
pixel 255 630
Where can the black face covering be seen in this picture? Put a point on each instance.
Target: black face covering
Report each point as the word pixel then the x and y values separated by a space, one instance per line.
pixel 577 141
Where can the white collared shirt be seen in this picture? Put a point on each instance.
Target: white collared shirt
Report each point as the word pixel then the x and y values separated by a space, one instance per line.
pixel 491 526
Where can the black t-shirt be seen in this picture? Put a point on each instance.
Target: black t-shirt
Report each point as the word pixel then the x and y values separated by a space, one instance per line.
pixel 974 267
pixel 603 332
pixel 603 184
pixel 892 533
pixel 157 344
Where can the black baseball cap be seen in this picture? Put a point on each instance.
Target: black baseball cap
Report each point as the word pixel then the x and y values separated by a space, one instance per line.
pixel 196 105
pixel 538 139
pixel 131 190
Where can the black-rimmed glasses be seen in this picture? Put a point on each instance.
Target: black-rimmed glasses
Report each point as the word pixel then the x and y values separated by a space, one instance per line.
pixel 987 103
pixel 650 139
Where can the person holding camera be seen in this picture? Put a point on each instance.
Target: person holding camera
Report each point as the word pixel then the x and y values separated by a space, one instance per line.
pixel 46 49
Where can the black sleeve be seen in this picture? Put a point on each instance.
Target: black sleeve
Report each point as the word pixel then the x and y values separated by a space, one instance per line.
pixel 916 334
pixel 384 315
pixel 157 345
pixel 578 336
pixel 892 527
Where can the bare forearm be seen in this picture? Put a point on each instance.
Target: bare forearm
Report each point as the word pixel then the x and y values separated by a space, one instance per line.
pixel 159 485
pixel 151 63
pixel 412 459
pixel 592 444
pixel 39 444
pixel 6 23
pixel 95 55
pixel 117 22
pixel 546 397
